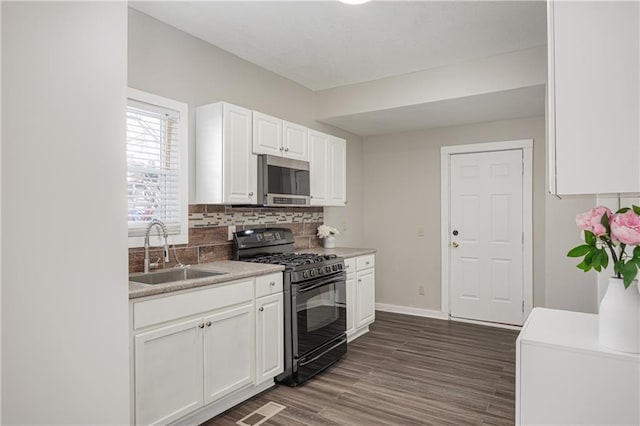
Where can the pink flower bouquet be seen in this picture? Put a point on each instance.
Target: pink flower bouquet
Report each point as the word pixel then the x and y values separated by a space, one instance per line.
pixel 607 233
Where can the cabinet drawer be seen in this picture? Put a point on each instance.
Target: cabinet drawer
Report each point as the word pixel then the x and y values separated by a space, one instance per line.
pixel 364 262
pixel 268 284
pixel 350 265
pixel 171 307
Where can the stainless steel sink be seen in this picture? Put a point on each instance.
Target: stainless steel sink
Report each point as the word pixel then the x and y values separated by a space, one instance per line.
pixel 171 275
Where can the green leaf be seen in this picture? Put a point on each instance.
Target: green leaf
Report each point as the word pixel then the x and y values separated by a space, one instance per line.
pixel 636 209
pixel 579 251
pixel 584 266
pixel 629 272
pixel 605 259
pixel 636 252
pixel 596 261
pixel 590 238
pixel 623 210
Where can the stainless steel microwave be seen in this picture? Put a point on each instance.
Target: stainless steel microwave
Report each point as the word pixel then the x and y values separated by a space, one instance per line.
pixel 283 182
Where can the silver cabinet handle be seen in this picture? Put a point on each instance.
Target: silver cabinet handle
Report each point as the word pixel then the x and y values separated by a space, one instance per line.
pixel 359 281
pixel 272 283
pixel 261 309
pixel 200 325
pixel 251 194
pixel 366 263
pixel 208 323
pixel 286 149
pixel 282 148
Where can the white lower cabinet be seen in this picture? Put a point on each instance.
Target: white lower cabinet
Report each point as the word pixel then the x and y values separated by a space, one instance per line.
pixel 269 337
pixel 168 372
pixel 198 353
pixel 361 294
pixel 229 342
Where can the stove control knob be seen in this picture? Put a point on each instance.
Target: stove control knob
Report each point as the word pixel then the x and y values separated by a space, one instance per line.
pixel 339 265
pixel 320 271
pixel 328 268
pixel 312 273
pixel 305 274
pixel 334 267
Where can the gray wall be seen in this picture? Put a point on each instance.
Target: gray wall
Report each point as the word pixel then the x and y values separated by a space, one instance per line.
pixel 402 193
pixel 65 356
pixel 171 63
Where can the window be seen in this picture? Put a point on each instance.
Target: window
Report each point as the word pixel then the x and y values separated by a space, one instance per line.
pixel 156 166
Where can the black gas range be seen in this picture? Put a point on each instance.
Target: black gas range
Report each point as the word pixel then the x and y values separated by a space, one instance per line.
pixel 314 300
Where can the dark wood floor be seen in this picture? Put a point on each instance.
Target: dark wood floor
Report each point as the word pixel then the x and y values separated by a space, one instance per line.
pixel 406 371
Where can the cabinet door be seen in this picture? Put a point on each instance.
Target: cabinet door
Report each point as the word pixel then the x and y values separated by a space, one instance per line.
pixel 366 295
pixel 267 134
pixel 295 141
pixel 593 103
pixel 168 372
pixel 318 162
pixel 240 164
pixel 351 303
pixel 229 351
pixel 337 171
pixel 269 337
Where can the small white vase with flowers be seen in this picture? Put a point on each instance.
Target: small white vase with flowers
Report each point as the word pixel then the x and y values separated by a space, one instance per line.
pixel 608 234
pixel 327 234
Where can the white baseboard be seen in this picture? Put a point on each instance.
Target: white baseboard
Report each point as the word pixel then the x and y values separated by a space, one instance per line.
pixel 418 312
pixel 490 324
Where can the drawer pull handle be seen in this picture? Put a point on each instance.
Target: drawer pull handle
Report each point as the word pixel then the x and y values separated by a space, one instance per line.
pixel 208 323
pixel 261 309
pixel 200 325
pixel 359 281
pixel 272 283
pixel 366 263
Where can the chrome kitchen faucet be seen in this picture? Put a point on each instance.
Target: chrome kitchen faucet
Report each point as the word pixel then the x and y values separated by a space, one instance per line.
pixel 163 228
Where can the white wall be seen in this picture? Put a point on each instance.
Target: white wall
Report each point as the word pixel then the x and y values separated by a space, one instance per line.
pixel 64 248
pixel 524 68
pixel 171 63
pixel 402 193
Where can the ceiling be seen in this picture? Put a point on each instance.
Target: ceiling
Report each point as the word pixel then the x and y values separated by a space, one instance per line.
pixel 326 44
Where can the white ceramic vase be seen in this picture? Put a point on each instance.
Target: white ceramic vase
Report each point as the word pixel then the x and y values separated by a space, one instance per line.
pixel 619 317
pixel 330 242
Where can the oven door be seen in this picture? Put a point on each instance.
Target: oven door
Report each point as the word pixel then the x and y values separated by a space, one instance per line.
pixel 319 312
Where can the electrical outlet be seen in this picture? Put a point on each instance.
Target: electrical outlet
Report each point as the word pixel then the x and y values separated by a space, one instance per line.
pixel 230 229
pixel 420 231
pixel 421 290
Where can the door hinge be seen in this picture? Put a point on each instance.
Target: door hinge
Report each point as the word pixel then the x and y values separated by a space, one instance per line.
pixel 522 237
pixel 523 306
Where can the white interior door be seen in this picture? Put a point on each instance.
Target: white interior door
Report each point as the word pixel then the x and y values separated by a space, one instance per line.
pixel 486 234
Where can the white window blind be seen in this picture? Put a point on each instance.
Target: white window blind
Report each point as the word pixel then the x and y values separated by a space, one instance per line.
pixel 153 167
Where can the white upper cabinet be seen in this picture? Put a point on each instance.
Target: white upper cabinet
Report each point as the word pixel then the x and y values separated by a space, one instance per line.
pixel 337 171
pixel 267 134
pixel 294 141
pixel 318 161
pixel 226 168
pixel 274 136
pixel 593 113
pixel 328 169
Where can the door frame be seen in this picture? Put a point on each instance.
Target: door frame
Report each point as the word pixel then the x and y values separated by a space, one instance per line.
pixel 526 145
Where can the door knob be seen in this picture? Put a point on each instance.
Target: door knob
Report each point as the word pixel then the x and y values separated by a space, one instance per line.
pixel 455 245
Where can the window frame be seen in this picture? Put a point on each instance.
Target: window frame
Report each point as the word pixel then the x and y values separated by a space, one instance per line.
pixel 183 148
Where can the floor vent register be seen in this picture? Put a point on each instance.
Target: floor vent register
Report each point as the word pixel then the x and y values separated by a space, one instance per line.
pixel 261 415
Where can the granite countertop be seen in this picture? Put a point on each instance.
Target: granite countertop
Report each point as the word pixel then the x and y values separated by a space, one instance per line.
pixel 234 271
pixel 345 252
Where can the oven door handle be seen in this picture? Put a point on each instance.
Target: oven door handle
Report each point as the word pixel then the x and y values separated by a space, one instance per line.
pixel 335 278
pixel 305 361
